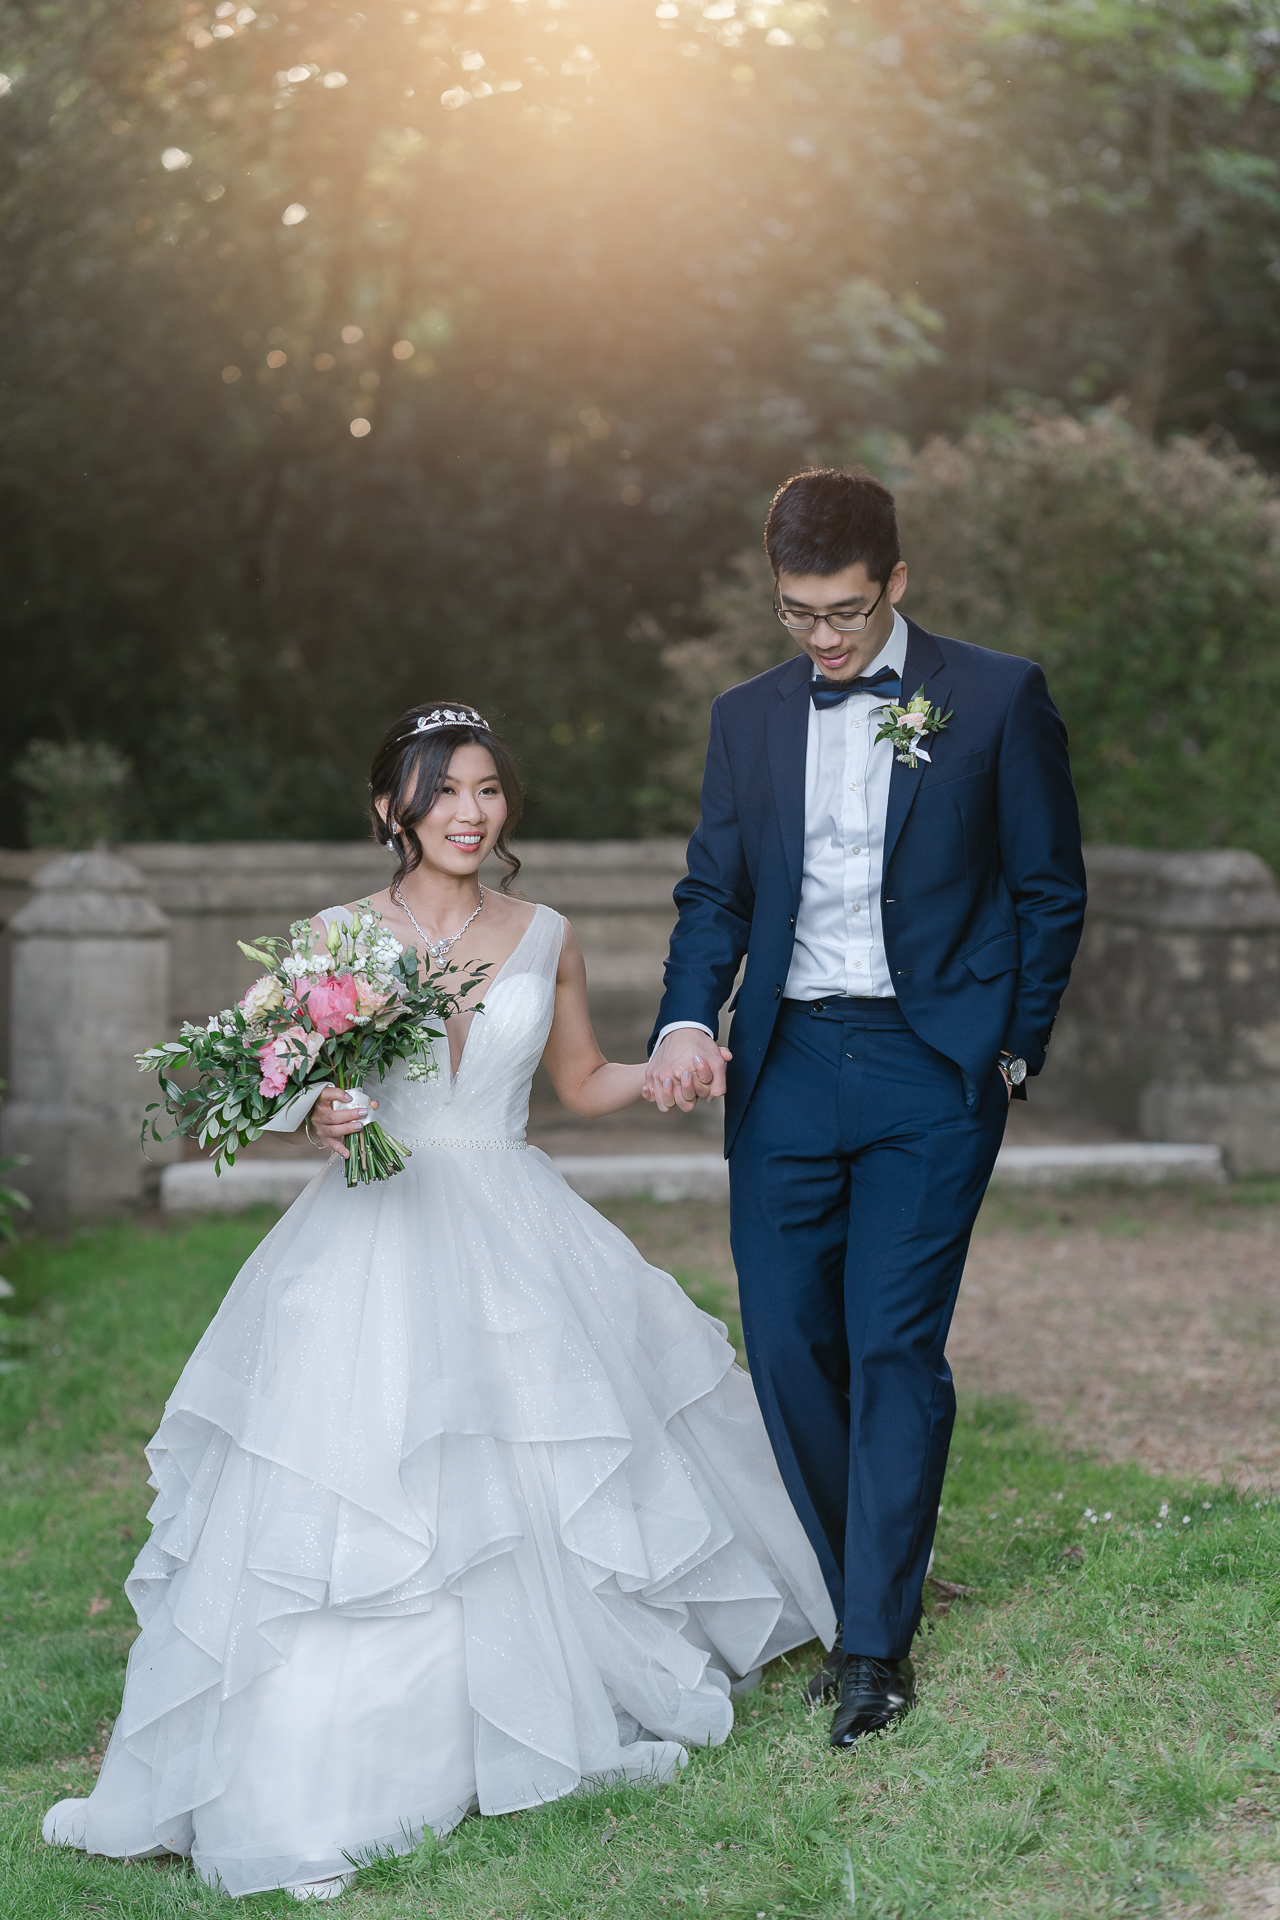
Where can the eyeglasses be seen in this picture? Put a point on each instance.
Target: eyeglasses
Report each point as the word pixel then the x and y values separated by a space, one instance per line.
pixel 797 620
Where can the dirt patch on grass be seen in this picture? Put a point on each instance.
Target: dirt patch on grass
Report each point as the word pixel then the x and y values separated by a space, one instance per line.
pixel 1145 1329
pixel 1140 1326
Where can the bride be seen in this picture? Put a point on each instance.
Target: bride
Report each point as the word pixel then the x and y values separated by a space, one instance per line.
pixel 459 1503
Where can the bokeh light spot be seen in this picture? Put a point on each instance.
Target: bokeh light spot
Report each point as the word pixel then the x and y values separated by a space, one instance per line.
pixel 359 428
pixel 334 79
pixel 173 158
pixel 351 335
pixel 403 350
pixel 276 358
pixel 296 75
pixel 293 214
pixel 455 97
pixel 323 362
pixel 631 495
pixel 230 375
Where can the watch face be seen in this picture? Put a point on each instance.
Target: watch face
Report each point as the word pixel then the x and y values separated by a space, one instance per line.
pixel 1017 1071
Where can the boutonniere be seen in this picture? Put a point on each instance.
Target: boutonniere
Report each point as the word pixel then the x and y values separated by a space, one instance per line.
pixel 906 727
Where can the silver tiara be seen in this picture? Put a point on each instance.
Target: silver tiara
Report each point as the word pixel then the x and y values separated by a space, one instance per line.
pixel 446 717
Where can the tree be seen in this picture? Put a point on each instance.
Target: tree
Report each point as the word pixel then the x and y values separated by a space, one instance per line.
pixel 596 280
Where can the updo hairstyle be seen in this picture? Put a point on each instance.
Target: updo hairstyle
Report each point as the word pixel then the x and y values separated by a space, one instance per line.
pixel 410 765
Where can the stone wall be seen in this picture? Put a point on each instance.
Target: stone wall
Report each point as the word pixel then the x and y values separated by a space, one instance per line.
pixel 616 892
pixel 1171 1025
pixel 1170 1029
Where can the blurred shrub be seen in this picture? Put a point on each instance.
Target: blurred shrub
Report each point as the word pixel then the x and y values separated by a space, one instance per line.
pixel 74 794
pixel 745 638
pixel 12 1202
pixel 1142 577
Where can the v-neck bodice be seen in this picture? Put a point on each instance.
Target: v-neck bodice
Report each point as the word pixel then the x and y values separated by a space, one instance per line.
pixel 486 1103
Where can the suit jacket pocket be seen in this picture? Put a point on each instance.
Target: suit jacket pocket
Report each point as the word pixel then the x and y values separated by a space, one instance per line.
pixel 961 769
pixel 1003 954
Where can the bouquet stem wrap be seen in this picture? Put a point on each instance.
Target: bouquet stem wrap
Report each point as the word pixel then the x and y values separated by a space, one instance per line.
pixel 373 1153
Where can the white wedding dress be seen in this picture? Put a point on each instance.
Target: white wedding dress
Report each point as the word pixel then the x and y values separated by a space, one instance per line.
pixel 460 1504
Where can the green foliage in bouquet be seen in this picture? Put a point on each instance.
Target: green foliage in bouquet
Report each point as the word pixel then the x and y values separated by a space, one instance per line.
pixel 327 1013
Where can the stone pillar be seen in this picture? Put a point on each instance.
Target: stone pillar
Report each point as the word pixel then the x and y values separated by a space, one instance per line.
pixel 89 989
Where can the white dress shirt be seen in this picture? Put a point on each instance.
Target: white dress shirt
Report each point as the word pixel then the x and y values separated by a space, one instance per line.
pixel 839 945
pixel 839 937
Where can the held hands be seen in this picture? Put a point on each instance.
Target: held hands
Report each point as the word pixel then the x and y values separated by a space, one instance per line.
pixel 684 1068
pixel 331 1119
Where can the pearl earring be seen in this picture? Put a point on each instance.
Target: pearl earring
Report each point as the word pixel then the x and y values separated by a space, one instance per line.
pixel 391 837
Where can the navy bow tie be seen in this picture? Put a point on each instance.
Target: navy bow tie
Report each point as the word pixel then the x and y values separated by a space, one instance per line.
pixel 886 684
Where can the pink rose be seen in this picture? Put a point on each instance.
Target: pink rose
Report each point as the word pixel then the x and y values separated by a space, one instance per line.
pixel 275 1070
pixel 279 1057
pixel 332 1004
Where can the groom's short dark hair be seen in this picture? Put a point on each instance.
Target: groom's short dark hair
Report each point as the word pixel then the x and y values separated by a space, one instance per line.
pixel 831 518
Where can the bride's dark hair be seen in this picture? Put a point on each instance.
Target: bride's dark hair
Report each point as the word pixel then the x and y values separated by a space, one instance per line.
pixel 408 771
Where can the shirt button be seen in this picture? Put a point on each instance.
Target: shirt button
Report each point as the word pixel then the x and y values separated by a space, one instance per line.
pixel 856 907
pixel 853 786
pixel 855 849
pixel 859 723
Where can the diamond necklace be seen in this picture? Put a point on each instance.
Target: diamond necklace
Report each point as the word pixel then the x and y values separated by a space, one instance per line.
pixel 436 948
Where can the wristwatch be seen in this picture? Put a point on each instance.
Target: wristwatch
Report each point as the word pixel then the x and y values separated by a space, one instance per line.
pixel 1013 1068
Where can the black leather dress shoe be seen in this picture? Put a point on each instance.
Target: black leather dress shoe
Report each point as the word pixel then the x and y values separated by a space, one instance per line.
pixel 825 1683
pixel 873 1694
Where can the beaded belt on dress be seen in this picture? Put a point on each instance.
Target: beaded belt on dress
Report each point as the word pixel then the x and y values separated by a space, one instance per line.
pixel 441 1140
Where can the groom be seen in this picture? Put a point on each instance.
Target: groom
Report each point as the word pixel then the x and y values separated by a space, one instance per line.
pixel 909 925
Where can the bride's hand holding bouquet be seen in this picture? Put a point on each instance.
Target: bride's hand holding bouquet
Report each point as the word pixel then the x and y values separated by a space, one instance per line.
pixel 326 1013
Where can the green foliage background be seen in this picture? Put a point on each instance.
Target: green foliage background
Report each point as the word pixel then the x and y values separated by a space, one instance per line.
pixel 1143 577
pixel 690 251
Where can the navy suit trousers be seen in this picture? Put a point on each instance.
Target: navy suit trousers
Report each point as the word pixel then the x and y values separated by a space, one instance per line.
pixel 855 1179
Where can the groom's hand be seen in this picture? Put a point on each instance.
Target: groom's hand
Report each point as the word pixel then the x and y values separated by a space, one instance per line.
pixel 685 1067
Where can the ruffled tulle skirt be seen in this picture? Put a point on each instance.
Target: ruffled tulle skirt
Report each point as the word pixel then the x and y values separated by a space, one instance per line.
pixel 459 1503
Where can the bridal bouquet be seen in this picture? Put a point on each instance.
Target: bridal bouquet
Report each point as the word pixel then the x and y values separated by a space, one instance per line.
pixel 325 1013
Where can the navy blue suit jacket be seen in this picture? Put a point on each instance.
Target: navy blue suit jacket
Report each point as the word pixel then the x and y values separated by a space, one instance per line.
pixel 983 888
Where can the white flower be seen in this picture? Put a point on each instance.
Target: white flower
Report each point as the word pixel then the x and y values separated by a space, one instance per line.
pixel 262 996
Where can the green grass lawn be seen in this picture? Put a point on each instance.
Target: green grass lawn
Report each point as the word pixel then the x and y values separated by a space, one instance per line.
pixel 1099 1720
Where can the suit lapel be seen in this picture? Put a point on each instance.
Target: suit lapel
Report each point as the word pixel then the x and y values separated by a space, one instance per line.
pixel 925 668
pixel 787 741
